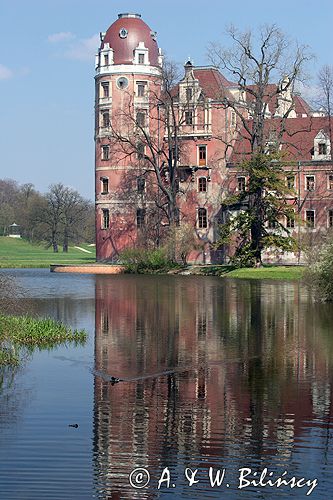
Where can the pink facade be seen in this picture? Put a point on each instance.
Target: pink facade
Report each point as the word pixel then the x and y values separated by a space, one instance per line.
pixel 128 87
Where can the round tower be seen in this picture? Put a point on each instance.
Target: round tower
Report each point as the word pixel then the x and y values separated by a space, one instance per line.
pixel 128 71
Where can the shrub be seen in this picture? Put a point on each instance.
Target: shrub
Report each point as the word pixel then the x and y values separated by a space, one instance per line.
pixel 142 261
pixel 320 273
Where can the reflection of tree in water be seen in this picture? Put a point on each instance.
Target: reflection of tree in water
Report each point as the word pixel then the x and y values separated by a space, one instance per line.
pixel 246 373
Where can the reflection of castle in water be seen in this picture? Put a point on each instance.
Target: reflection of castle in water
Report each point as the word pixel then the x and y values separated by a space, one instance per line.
pixel 248 364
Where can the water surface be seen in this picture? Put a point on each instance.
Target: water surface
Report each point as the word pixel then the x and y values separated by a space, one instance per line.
pixel 221 374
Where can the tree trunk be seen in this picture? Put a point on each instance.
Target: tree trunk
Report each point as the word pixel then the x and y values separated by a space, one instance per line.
pixel 65 242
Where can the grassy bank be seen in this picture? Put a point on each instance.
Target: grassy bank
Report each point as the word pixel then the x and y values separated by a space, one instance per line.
pixel 17 332
pixel 17 253
pixel 267 272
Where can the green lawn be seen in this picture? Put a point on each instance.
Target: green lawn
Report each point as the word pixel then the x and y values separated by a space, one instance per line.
pixel 20 253
pixel 268 272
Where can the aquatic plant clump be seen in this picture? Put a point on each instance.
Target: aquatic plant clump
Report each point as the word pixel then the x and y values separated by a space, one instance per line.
pixel 25 331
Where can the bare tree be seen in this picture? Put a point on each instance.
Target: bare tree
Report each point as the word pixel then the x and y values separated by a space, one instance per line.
pixel 149 139
pixel 325 83
pixel 265 69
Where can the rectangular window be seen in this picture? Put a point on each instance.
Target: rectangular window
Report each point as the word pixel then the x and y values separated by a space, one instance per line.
pixel 322 148
pixel 106 219
pixel 141 184
pixel 189 117
pixel 140 151
pixel 141 119
pixel 241 183
pixel 202 184
pixel 290 221
pixel 105 89
pixel 202 155
pixel 106 59
pixel 105 152
pixel 310 218
pixel 330 218
pixel 106 119
pixel 233 119
pixel 140 217
pixel 330 182
pixel 202 218
pixel 272 224
pixel 141 58
pixel 105 185
pixel 310 183
pixel 141 89
pixel 290 181
pixel 189 94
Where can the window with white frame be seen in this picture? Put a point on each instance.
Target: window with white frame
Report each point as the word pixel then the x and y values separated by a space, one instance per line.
pixel 310 182
pixel 330 218
pixel 140 217
pixel 202 218
pixel 105 119
pixel 105 89
pixel 290 220
pixel 105 152
pixel 189 93
pixel 141 185
pixel 330 181
pixel 310 218
pixel 202 184
pixel 105 185
pixel 322 148
pixel 202 153
pixel 241 183
pixel 105 218
pixel 290 181
pixel 140 151
pixel 141 89
pixel 141 58
pixel 189 117
pixel 141 119
pixel 106 59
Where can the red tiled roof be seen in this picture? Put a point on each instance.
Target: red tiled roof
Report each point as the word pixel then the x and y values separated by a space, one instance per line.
pixel 211 81
pixel 297 140
pixel 301 107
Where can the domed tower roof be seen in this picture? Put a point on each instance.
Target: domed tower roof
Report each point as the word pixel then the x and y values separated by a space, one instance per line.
pixel 124 36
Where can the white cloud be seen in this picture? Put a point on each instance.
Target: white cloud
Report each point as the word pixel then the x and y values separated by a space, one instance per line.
pixel 5 73
pixel 63 36
pixel 84 49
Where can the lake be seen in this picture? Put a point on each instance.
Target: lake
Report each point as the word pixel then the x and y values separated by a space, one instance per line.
pixel 219 377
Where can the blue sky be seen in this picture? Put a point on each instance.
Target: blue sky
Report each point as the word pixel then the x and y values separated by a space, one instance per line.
pixel 47 69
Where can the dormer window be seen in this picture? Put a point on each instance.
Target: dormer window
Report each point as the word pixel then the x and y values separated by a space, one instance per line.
pixel 106 59
pixel 322 148
pixel 141 59
pixel 189 94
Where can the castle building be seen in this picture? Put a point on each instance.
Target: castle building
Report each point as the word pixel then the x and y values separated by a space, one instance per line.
pixel 169 152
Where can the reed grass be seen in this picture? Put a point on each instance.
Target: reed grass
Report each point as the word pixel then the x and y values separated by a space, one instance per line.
pixel 27 332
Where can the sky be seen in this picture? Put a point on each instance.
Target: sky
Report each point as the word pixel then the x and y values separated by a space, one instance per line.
pixel 47 52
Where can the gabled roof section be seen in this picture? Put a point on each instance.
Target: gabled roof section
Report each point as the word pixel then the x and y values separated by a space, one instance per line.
pixel 272 96
pixel 212 82
pixel 297 140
